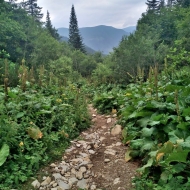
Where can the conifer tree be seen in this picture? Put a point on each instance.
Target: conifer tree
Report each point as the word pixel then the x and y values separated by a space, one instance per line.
pixel 33 9
pixel 50 28
pixel 153 5
pixel 183 3
pixel 75 39
pixel 161 4
pixel 170 3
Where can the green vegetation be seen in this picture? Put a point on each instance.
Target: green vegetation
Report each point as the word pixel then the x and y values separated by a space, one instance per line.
pixel 75 39
pixel 154 107
pixel 145 80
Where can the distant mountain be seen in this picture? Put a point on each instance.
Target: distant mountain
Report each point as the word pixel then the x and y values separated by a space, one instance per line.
pixel 63 32
pixel 130 29
pixel 100 38
pixel 88 49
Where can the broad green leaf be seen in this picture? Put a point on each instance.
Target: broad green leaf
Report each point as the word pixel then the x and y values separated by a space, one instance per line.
pixel 149 164
pixel 179 167
pixel 147 132
pixel 186 143
pixel 164 175
pixel 184 126
pixel 20 114
pixel 143 122
pixel 157 117
pixel 186 112
pixel 137 144
pixel 153 123
pixel 187 118
pixel 12 94
pixel 158 105
pixel 136 114
pixel 148 145
pixel 167 148
pixel 4 152
pixel 179 156
pixel 153 153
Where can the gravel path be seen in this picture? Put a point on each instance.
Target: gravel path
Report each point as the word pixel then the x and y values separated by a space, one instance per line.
pixel 95 162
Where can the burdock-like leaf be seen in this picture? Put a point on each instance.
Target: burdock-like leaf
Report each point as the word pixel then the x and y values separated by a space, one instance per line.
pixel 179 156
pixel 4 152
pixel 146 132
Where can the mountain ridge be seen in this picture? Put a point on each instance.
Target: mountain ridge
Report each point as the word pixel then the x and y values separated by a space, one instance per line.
pixel 99 38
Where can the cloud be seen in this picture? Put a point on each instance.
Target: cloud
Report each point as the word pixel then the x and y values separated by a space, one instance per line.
pixel 116 13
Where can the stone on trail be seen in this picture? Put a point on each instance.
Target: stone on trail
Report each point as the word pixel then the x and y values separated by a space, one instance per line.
pixel 116 181
pixel 107 160
pixel 64 168
pixel 82 169
pixel 53 165
pixel 73 171
pixel 116 130
pixel 36 184
pixel 82 184
pixel 72 181
pixel 79 175
pixel 47 181
pixel 118 144
pixel 91 151
pixel 93 187
pixel 57 176
pixel 108 120
pixel 103 127
pixel 110 151
pixel 63 185
pixel 83 154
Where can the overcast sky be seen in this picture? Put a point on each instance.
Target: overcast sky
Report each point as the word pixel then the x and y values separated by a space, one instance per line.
pixel 116 13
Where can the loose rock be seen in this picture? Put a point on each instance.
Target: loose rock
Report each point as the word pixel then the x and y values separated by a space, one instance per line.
pixel 82 184
pixel 116 181
pixel 63 185
pixel 109 120
pixel 36 184
pixel 116 130
pixel 47 181
pixel 107 160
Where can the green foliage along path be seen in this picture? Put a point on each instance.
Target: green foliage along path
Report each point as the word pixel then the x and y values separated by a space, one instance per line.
pixel 145 79
pixel 155 120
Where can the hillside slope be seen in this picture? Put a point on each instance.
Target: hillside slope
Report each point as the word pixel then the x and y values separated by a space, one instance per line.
pixel 100 38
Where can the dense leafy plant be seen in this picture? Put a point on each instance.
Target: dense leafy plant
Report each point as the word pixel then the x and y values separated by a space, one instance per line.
pixel 34 124
pixel 155 118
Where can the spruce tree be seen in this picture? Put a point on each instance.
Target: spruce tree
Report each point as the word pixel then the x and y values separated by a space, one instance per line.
pixel 33 9
pixel 50 28
pixel 153 5
pixel 75 39
pixel 170 3
pixel 161 4
pixel 183 3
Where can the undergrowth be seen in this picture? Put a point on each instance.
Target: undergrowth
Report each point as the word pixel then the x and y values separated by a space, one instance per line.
pixel 36 125
pixel 155 119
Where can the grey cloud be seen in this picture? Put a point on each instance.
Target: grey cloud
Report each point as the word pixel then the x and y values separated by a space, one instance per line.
pixel 116 13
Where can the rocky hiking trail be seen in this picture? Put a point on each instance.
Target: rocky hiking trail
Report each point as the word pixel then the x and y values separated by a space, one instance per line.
pixel 95 162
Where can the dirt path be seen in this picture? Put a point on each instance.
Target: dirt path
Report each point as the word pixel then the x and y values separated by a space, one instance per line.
pixel 95 161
